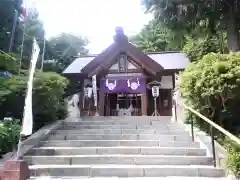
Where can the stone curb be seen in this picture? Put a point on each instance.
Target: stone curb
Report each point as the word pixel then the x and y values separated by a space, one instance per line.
pixel 38 136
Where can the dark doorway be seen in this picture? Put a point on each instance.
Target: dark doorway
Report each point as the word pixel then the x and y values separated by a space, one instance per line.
pixel 120 104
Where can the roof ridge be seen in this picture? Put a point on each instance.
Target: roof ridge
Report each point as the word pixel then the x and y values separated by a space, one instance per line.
pixel 163 52
pixel 88 55
pixel 147 53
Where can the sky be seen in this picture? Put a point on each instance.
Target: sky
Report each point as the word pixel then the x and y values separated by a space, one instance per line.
pixel 94 19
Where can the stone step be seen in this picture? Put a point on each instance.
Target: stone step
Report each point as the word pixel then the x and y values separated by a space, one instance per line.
pixel 119 159
pixel 44 151
pixel 120 137
pixel 126 118
pixel 128 126
pixel 136 122
pixel 92 143
pixel 120 131
pixel 125 170
pixel 126 178
pixel 112 122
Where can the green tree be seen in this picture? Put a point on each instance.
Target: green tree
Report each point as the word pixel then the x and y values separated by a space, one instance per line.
pixel 156 37
pixel 33 28
pixel 188 14
pixel 9 10
pixel 65 47
pixel 197 47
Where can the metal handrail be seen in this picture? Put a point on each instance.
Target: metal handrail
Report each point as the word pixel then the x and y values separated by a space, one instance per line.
pixel 230 135
pixel 212 124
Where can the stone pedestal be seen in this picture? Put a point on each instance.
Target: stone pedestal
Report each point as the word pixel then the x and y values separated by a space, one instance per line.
pixel 15 170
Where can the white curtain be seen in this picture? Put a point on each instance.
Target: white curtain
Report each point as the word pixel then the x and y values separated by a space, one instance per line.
pixel 88 92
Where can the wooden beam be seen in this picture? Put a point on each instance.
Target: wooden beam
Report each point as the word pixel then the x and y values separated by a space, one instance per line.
pixel 81 96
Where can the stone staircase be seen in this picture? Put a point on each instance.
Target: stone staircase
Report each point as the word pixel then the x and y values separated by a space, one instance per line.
pixel 123 148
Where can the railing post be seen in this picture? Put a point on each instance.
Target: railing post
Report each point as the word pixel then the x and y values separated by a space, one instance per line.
pixel 213 146
pixel 192 127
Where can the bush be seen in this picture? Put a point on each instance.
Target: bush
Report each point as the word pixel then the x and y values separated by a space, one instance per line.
pixel 48 98
pixel 48 103
pixel 212 87
pixel 8 64
pixel 9 136
pixel 233 157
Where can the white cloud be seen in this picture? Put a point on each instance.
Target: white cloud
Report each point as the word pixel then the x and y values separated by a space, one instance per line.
pixel 95 19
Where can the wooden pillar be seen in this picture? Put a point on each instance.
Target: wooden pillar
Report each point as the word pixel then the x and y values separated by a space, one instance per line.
pixel 101 103
pixel 81 96
pixel 144 104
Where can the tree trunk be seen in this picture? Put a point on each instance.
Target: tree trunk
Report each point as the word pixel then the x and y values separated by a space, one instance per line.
pixel 232 31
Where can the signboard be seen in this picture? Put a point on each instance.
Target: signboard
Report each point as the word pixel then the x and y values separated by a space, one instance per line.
pixel 155 91
pixel 94 86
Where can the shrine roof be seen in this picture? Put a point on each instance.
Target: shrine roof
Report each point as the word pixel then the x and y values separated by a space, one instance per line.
pixel 168 60
pixel 152 63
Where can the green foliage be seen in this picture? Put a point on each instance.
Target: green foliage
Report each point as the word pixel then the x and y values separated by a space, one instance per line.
pixel 7 63
pixel 155 37
pixel 214 82
pixel 197 47
pixel 33 28
pixel 65 48
pixel 48 104
pixel 7 10
pixel 211 86
pixel 12 91
pixel 213 15
pixel 48 98
pixel 9 136
pixel 233 157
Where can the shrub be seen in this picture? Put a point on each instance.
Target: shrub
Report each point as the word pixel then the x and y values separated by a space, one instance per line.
pixel 48 104
pixel 9 136
pixel 7 63
pixel 233 157
pixel 212 87
pixel 48 98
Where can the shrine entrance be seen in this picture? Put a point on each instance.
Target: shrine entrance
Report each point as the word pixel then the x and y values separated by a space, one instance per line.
pixel 122 96
pixel 122 104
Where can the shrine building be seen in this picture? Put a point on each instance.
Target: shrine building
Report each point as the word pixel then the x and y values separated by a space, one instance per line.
pixel 124 75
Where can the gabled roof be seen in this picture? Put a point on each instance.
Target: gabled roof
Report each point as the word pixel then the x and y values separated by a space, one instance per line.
pixel 151 62
pixel 168 60
pixel 121 45
pixel 98 59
